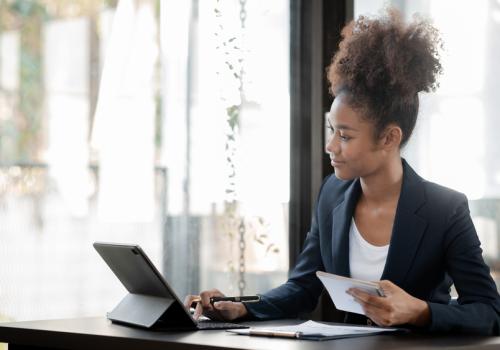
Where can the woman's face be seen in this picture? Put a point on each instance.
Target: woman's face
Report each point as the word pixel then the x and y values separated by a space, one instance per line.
pixel 353 150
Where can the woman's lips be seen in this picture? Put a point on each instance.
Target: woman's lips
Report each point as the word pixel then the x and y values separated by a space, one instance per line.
pixel 335 162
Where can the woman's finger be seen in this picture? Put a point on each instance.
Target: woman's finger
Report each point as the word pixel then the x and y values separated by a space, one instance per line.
pixel 198 311
pixel 188 300
pixel 224 305
pixel 365 298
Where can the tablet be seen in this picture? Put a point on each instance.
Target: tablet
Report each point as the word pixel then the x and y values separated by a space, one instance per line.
pixel 337 287
pixel 150 301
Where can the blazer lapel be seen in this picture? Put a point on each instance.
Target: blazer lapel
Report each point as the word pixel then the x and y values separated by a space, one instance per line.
pixel 408 228
pixel 341 222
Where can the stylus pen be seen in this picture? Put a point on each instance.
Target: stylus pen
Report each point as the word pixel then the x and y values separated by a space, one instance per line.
pixel 271 333
pixel 241 299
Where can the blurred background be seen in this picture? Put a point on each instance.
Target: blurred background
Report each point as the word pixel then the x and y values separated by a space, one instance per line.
pixel 167 124
pixel 145 122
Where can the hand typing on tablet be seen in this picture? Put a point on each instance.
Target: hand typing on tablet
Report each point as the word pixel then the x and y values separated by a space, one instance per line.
pixel 221 310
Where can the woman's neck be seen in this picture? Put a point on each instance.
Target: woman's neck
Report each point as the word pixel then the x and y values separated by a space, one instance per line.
pixel 385 184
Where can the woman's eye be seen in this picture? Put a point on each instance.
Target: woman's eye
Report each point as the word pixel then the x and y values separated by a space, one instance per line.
pixel 331 130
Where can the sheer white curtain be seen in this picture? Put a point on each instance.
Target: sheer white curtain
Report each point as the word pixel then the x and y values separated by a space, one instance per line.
pixel 123 131
pixel 67 104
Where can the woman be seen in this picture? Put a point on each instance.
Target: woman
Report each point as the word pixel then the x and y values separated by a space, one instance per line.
pixel 376 219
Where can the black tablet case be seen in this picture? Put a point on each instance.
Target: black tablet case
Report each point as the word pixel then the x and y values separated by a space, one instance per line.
pixel 150 300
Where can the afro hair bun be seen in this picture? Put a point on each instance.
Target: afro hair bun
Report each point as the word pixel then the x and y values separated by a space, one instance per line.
pixel 385 53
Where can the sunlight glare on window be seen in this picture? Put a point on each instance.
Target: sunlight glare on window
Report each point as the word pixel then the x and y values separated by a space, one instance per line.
pixel 467 24
pixel 456 147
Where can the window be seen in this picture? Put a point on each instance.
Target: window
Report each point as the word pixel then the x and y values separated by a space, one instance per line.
pixel 114 126
pixel 226 132
pixel 59 192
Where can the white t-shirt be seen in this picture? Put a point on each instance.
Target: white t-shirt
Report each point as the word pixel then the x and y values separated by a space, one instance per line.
pixel 366 260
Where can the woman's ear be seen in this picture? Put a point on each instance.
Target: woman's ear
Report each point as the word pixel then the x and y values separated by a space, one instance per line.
pixel 392 137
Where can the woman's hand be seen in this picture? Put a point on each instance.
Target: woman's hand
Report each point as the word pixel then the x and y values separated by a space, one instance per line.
pixel 396 308
pixel 221 310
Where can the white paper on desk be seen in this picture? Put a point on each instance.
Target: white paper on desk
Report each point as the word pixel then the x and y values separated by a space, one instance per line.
pixel 337 287
pixel 320 329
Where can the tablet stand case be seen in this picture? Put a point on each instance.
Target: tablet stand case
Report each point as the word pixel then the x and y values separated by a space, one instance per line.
pixel 149 301
pixel 147 311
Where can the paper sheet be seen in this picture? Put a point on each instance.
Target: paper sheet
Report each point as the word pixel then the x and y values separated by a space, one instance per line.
pixel 312 327
pixel 320 330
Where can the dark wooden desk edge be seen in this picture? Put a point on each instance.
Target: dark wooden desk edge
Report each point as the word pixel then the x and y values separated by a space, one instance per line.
pixel 39 340
pixel 28 337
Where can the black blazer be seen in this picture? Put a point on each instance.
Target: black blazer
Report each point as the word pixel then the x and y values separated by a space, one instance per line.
pixel 433 244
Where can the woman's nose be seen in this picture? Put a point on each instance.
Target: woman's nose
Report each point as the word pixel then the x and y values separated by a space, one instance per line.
pixel 331 145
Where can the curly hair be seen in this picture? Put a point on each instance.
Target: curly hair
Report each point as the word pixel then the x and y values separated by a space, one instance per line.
pixel 381 66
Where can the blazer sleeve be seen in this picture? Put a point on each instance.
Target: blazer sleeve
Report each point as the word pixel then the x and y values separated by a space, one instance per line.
pixel 478 306
pixel 301 292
